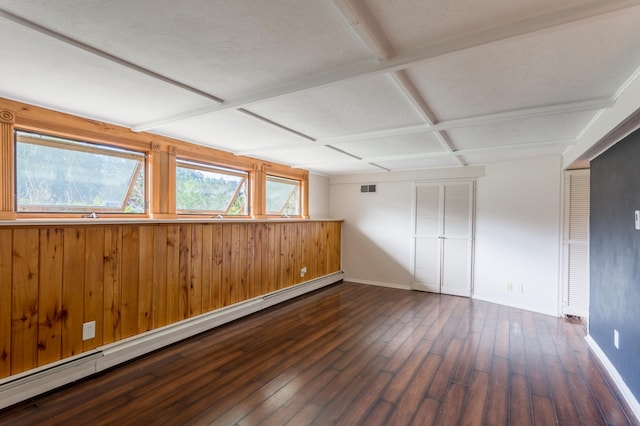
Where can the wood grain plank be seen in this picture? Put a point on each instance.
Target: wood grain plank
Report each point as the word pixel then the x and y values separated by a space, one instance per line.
pixel 216 273
pixel 543 411
pixel 145 278
pixel 24 324
pixel 6 300
pixel 112 284
pixel 250 269
pixel 452 405
pixel 173 274
pixel 50 296
pixel 474 408
pixel 73 290
pixel 601 390
pixel 262 278
pixel 273 277
pixel 427 413
pixel 227 289
pixel 207 266
pixel 160 282
pixel 130 277
pixel 520 401
pixel 498 397
pixel 241 261
pixel 195 276
pixel 184 282
pixel 94 284
pixel 416 390
pixel 585 403
pixel 562 399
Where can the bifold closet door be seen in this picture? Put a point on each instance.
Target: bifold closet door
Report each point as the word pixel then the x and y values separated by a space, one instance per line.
pixel 576 247
pixel 443 238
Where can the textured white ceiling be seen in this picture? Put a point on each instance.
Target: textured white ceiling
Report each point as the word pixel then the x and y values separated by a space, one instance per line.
pixel 334 86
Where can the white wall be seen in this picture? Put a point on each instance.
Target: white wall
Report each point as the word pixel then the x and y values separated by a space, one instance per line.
pixel 318 196
pixel 518 236
pixel 376 244
pixel 517 229
pixel 377 233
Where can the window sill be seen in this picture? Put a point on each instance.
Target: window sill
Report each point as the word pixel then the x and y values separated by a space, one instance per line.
pixel 139 221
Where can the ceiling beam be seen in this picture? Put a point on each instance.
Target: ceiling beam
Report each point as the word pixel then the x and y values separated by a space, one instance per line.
pixel 404 59
pixel 359 17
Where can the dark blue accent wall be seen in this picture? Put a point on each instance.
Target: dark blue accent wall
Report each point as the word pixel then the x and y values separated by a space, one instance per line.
pixel 615 256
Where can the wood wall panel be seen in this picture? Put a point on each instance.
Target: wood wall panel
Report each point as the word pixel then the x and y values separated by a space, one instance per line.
pixel 24 318
pixel 133 278
pixel 6 301
pixel 50 296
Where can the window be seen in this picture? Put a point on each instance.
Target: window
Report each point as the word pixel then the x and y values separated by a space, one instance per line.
pixel 205 189
pixel 283 196
pixel 55 175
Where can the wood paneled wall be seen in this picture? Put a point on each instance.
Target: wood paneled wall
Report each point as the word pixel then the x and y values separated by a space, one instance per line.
pixel 131 278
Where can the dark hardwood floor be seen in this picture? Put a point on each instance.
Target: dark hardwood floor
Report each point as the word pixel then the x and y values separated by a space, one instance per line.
pixel 354 354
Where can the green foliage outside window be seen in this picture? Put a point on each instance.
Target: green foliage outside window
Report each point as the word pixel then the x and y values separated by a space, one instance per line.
pixel 62 176
pixel 210 190
pixel 283 196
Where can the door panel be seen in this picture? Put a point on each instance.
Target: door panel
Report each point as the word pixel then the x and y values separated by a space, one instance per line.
pixel 456 267
pixel 427 211
pixel 427 270
pixel 443 238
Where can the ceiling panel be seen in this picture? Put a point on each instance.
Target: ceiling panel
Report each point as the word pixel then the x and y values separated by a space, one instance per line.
pixel 354 106
pixel 586 60
pixel 417 143
pixel 47 72
pixel 226 48
pixel 546 128
pixel 412 23
pixel 231 131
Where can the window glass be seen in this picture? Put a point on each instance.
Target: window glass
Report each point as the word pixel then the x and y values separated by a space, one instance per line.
pixel 283 196
pixel 201 188
pixel 56 175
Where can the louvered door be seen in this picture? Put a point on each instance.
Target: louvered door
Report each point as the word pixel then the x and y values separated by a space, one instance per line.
pixel 576 247
pixel 443 238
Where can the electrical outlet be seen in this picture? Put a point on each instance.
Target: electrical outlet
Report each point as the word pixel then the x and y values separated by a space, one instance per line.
pixel 303 271
pixel 88 330
pixel 509 286
pixel 616 339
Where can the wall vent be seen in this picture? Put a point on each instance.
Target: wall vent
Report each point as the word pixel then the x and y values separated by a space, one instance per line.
pixel 367 188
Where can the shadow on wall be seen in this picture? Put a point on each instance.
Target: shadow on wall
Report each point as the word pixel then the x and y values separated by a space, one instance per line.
pixel 366 260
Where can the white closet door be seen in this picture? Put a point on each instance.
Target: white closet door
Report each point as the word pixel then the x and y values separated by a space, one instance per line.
pixel 456 268
pixel 427 242
pixel 443 238
pixel 576 291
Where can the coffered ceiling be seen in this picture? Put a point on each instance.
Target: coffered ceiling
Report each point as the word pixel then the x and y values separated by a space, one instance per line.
pixel 332 86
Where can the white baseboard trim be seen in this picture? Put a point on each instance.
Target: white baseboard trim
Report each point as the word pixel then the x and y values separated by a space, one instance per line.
pixel 615 376
pixel 516 305
pixel 379 284
pixel 34 382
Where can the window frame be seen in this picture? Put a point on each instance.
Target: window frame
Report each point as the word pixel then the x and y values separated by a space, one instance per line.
pixel 216 168
pixel 44 138
pixel 160 165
